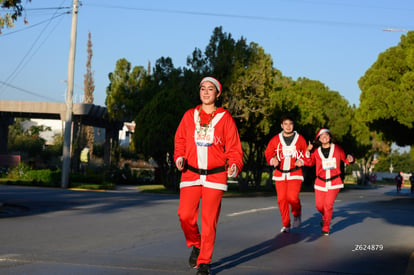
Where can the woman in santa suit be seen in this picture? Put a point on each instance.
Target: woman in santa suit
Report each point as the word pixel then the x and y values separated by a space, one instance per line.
pixel 327 158
pixel 207 151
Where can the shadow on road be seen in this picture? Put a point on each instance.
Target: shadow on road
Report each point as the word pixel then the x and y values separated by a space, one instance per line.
pixel 343 217
pixel 25 201
pixel 381 209
pixel 256 251
pixel 309 232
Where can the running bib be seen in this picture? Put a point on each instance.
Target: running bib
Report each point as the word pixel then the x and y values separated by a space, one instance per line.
pixel 204 136
pixel 328 164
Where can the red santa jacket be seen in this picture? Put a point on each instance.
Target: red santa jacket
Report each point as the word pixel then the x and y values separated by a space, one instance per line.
pixel 328 169
pixel 287 156
pixel 207 147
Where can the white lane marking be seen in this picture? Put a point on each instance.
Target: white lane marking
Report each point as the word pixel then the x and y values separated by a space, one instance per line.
pixel 251 211
pixel 8 257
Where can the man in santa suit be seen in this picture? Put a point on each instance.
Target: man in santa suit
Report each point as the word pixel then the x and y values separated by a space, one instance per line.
pixel 327 158
pixel 285 152
pixel 207 151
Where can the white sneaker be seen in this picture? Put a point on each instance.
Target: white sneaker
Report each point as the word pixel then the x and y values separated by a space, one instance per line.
pixel 285 229
pixel 297 221
pixel 325 233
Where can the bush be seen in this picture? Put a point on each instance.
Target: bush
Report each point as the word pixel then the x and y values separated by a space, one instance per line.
pixel 43 177
pixel 105 178
pixel 38 175
pixel 19 172
pixel 90 186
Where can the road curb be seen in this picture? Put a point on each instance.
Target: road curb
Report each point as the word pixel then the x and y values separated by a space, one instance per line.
pixel 410 266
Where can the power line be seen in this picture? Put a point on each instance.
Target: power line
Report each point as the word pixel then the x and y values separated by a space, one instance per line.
pixel 26 57
pixel 346 3
pixel 228 15
pixel 27 92
pixel 50 8
pixel 34 25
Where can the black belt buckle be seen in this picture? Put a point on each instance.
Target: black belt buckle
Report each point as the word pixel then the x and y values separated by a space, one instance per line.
pixel 205 172
pixel 288 171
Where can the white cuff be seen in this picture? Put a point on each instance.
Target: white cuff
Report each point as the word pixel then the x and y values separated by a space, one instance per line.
pixel 234 172
pixel 178 160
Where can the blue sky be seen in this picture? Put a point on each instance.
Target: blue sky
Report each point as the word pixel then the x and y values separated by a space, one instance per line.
pixel 333 41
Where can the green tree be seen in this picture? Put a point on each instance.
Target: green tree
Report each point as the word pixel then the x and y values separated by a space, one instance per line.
pixel 89 88
pixel 400 162
pixel 247 99
pixel 84 133
pixel 254 92
pixel 246 74
pixel 313 106
pixel 26 142
pixel 57 146
pixel 15 10
pixel 123 89
pixel 221 56
pixel 387 97
pixel 157 121
pixel 366 145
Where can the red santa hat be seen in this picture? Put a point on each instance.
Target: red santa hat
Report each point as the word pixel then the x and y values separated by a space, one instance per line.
pixel 321 131
pixel 212 80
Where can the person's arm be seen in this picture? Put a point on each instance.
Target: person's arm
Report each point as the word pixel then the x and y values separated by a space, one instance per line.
pixel 349 159
pixel 234 152
pixel 309 159
pixel 180 143
pixel 301 151
pixel 270 156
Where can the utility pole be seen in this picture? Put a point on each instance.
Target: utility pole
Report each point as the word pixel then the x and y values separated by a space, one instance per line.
pixel 67 139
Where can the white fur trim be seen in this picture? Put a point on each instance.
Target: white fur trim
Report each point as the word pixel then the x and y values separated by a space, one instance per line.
pixel 321 131
pixel 212 80
pixel 212 185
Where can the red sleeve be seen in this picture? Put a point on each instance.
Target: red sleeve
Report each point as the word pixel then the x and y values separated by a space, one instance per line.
pixel 301 147
pixel 181 136
pixel 343 156
pixel 234 152
pixel 270 149
pixel 310 159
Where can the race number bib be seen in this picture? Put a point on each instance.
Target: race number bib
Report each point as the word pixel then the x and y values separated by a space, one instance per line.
pixel 204 136
pixel 289 151
pixel 328 164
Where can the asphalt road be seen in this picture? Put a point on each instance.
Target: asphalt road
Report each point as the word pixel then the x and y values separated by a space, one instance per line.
pixel 56 231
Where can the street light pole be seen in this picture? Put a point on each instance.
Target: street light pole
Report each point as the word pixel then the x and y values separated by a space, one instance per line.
pixel 67 139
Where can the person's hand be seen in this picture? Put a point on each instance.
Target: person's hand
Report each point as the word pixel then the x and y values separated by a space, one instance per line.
pixel 232 171
pixel 299 163
pixel 310 147
pixel 275 162
pixel 180 164
pixel 350 158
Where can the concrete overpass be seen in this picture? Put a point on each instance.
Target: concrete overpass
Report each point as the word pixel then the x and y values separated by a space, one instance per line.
pixel 83 114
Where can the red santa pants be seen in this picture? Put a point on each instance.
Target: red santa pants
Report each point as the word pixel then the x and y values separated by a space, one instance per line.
pixel 188 214
pixel 324 202
pixel 288 194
